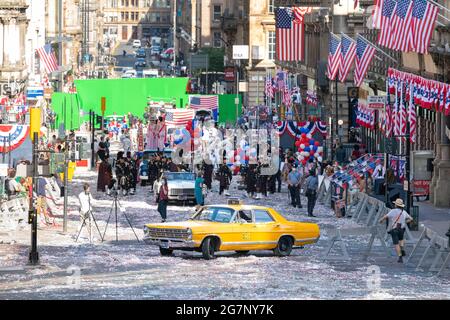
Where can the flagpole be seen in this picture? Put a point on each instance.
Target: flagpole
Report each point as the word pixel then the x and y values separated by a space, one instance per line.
pixel 439 5
pixel 386 154
pixel 376 47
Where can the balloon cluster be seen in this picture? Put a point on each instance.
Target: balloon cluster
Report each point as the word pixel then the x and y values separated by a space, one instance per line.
pixel 181 137
pixel 241 156
pixel 308 148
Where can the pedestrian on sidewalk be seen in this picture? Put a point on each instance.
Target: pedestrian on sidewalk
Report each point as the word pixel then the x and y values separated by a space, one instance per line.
pixel 162 199
pixel 397 220
pixel 294 179
pixel 199 198
pixel 312 183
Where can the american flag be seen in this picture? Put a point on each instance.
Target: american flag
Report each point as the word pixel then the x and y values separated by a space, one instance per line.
pixel 376 14
pixel 424 15
pixel 333 56
pixel 387 8
pixel 299 13
pixel 178 117
pixel 269 90
pixel 364 55
pixel 204 102
pixel 401 23
pixel 47 55
pixel 396 115
pixel 348 50
pixel 412 116
pixel 388 121
pixel 290 36
pixel 287 101
pixel 447 100
pixel 281 80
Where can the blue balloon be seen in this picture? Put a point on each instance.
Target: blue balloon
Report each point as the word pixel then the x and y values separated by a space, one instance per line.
pixel 307 149
pixel 311 141
pixel 302 130
pixel 315 148
pixel 177 142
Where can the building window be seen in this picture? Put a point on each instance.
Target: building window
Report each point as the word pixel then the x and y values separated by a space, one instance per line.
pixel 217 41
pixel 271 6
pixel 271 45
pixel 217 12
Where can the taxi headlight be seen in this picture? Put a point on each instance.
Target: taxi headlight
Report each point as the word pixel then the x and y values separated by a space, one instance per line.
pixel 146 230
pixel 189 233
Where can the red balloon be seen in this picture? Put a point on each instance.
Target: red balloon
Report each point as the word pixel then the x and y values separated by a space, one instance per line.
pixel 317 143
pixel 304 161
pixel 247 158
pixel 312 152
pixel 297 143
pixel 303 135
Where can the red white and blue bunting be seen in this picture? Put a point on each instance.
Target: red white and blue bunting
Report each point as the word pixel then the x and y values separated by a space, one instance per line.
pixel 12 136
pixel 365 117
pixel 295 129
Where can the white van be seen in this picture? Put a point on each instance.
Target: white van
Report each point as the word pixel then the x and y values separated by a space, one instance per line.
pixel 136 43
pixel 150 73
pixel 131 73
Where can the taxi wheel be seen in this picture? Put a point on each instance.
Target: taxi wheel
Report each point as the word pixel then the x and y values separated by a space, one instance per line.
pixel 208 248
pixel 165 252
pixel 284 247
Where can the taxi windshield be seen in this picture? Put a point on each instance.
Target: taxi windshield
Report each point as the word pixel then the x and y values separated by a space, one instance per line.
pixel 215 214
pixel 186 176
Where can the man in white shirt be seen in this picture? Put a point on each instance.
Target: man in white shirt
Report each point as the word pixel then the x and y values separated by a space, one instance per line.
pixel 378 177
pixel 398 218
pixel 86 201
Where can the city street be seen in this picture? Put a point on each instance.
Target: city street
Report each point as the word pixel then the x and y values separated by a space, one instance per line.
pixel 133 270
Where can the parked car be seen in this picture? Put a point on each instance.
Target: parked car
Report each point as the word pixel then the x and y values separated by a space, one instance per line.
pixel 129 73
pixel 136 43
pixel 181 186
pixel 232 227
pixel 140 53
pixel 156 50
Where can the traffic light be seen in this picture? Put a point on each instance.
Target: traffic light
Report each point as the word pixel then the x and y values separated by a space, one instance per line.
pixel 98 119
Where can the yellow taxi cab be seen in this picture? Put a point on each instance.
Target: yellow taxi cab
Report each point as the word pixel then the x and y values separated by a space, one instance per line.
pixel 232 227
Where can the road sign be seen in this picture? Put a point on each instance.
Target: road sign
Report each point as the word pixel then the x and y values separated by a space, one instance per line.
pixel 35 92
pixel 376 102
pixel 240 52
pixel 199 61
pixel 103 105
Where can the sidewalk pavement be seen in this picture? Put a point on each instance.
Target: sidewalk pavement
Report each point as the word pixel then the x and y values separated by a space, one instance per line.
pixel 437 219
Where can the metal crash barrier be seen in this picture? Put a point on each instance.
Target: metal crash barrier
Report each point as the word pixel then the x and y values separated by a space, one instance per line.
pixel 366 211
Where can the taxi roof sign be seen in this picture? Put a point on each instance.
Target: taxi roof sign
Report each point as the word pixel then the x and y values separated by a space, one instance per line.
pixel 235 201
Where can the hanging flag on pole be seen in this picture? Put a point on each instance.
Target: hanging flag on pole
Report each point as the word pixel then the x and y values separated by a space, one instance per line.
pixel 333 56
pixel 424 15
pixel 364 55
pixel 387 8
pixel 401 23
pixel 347 56
pixel 412 115
pixel 290 36
pixel 47 55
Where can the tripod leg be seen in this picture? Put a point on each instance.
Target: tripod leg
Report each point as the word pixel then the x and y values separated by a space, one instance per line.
pixel 96 225
pixel 82 225
pixel 128 220
pixel 107 222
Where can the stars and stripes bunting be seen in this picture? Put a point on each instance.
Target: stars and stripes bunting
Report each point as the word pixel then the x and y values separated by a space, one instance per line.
pixel 47 55
pixel 412 116
pixel 290 35
pixel 364 55
pixel 333 56
pixel 348 51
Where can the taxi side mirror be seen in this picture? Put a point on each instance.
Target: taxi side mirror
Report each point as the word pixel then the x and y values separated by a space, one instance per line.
pixel 277 225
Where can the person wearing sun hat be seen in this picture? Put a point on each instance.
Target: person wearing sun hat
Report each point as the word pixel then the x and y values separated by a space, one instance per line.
pixel 398 218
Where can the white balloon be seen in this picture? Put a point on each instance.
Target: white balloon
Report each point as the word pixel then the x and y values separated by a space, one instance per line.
pixel 319 159
pixel 238 157
pixel 302 146
pixel 237 163
pixel 316 155
pixel 309 135
pixel 319 149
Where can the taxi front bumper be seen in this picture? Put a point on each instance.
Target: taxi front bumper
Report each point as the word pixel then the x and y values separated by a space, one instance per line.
pixel 172 243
